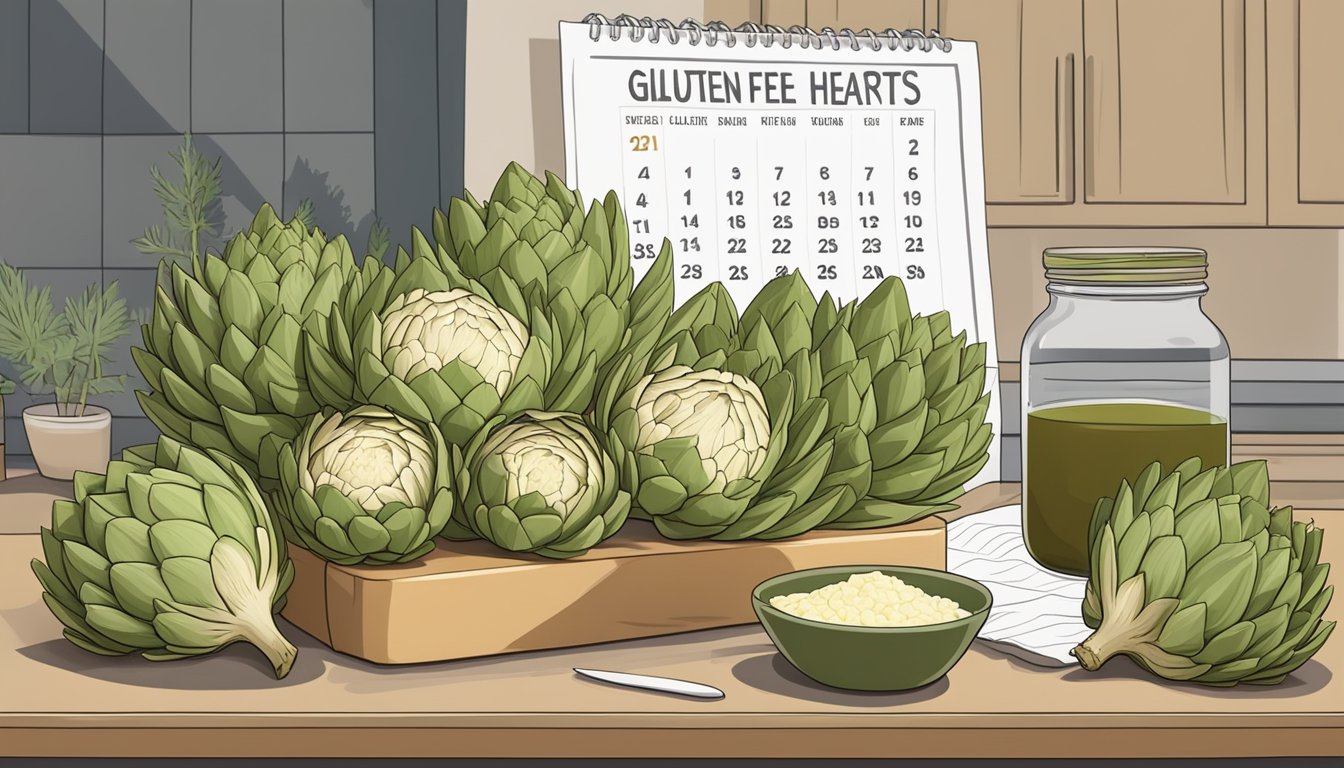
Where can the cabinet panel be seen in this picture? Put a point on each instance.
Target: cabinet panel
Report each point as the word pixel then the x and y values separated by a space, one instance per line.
pixel 818 14
pixel 1306 125
pixel 1027 84
pixel 876 15
pixel 1165 104
pixel 783 13
pixel 1116 113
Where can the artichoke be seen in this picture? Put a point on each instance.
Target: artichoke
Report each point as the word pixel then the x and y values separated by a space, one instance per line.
pixel 532 234
pixel 524 303
pixel 883 423
pixel 923 394
pixel 431 345
pixel 365 487
pixel 1195 578
pixel 729 437
pixel 170 554
pixel 223 351
pixel 540 483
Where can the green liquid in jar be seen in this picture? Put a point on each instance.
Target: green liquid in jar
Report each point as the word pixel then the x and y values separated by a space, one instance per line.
pixel 1078 453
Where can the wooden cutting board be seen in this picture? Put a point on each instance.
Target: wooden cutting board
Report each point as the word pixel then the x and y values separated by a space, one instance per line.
pixel 471 599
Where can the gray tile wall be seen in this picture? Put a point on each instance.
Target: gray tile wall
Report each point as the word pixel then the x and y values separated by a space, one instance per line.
pixel 65 60
pixel 400 83
pixel 147 80
pixel 329 66
pixel 355 104
pixel 13 66
pixel 237 66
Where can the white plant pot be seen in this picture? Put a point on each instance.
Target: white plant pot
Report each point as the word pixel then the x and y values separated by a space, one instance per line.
pixel 62 445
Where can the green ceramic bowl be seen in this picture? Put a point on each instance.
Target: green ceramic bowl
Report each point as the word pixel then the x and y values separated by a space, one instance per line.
pixel 872 658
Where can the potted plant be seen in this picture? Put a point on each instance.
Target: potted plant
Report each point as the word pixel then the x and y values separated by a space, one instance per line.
pixel 63 355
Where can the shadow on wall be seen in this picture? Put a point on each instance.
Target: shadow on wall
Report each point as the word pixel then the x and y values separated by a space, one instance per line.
pixel 71 92
pixel 233 183
pixel 330 210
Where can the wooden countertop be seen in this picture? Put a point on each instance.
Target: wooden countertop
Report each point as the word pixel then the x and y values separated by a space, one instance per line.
pixel 58 700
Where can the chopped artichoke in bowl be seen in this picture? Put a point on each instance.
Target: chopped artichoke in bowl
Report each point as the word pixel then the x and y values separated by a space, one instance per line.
pixel 873 656
pixel 872 599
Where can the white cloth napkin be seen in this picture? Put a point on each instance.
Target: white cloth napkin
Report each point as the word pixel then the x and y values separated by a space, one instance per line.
pixel 1036 615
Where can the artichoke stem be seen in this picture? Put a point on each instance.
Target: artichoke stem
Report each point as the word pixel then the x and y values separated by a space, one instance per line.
pixel 1087 657
pixel 1100 646
pixel 279 651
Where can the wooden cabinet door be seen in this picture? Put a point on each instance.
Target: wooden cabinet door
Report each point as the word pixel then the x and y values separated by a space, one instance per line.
pixel 1027 79
pixel 1306 112
pixel 1172 106
pixel 1118 112
pixel 877 15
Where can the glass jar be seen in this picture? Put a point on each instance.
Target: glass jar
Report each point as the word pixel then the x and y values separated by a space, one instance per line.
pixel 1123 368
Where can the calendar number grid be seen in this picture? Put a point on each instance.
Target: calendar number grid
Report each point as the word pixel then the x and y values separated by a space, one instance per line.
pixel 760 206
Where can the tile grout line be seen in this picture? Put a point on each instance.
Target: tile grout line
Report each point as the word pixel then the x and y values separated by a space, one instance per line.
pixel 102 156
pixel 438 108
pixel 373 107
pixel 28 76
pixel 284 114
pixel 191 64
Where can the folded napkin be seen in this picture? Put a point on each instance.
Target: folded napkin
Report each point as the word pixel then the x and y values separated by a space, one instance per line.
pixel 1036 615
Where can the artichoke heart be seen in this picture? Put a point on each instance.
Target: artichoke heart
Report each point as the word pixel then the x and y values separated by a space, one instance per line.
pixel 728 436
pixel 169 554
pixel 522 303
pixel 425 331
pixel 1196 578
pixel 535 236
pixel 540 483
pixel 366 486
pixel 430 344
pixel 800 414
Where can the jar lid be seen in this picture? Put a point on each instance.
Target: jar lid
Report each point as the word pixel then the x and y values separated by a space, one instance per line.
pixel 1158 266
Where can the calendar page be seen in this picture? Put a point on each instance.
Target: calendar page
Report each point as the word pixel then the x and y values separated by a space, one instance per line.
pixel 845 156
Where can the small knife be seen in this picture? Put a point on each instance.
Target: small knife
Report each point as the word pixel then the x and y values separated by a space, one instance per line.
pixel 651 683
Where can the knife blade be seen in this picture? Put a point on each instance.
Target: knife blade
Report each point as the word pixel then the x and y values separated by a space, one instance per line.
pixel 653 683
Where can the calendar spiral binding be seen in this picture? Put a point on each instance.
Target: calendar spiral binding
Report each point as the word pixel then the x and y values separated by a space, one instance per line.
pixel 767 35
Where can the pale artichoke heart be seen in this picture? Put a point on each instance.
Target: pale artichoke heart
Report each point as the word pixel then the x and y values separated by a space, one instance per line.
pixel 724 412
pixel 425 330
pixel 538 459
pixel 373 459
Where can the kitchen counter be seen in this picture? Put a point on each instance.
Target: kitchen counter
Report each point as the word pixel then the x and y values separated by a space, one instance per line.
pixel 58 700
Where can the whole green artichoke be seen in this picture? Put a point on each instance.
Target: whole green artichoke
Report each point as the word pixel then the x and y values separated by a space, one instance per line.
pixel 729 437
pixel 223 353
pixel 540 483
pixel 927 434
pixel 535 234
pixel 432 345
pixel 1195 578
pixel 365 486
pixel 170 554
